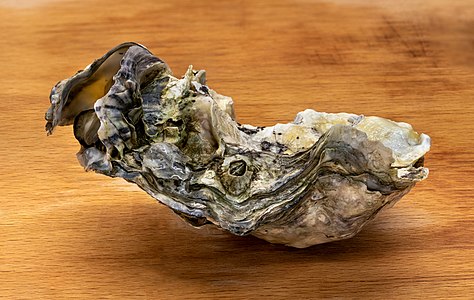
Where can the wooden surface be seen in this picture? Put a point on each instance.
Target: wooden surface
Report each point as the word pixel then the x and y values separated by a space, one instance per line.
pixel 65 233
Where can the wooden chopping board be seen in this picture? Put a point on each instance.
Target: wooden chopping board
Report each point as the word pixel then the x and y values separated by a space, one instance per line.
pixel 67 234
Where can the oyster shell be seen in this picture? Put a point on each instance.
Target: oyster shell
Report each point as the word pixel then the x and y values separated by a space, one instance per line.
pixel 318 179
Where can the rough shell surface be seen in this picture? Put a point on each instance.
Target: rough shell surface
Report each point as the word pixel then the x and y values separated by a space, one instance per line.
pixel 320 178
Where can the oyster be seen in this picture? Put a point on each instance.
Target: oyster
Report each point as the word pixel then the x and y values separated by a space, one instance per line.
pixel 320 178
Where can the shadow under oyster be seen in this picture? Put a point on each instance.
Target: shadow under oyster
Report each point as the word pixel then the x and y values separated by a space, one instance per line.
pixel 320 178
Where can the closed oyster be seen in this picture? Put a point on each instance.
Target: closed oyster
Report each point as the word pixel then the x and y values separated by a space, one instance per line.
pixel 320 178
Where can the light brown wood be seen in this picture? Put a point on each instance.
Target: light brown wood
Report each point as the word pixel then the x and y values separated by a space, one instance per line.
pixel 65 233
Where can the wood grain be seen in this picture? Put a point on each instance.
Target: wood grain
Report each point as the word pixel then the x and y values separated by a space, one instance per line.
pixel 65 233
